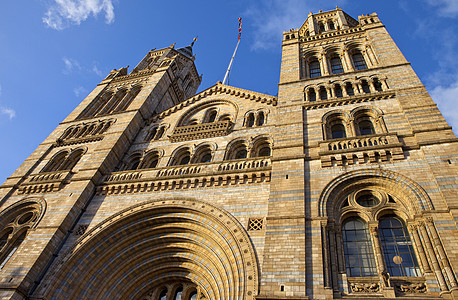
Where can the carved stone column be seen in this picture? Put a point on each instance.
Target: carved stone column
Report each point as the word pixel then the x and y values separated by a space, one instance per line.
pixel 421 252
pixel 324 64
pixel 333 256
pixel 432 257
pixel 371 55
pixel 347 59
pixel 441 252
pixel 326 263
pixel 329 92
pixel 381 268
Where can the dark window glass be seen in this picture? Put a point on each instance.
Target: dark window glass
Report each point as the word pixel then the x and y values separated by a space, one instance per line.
pixel 265 151
pixel 349 89
pixel 331 25
pixel 358 61
pixel 241 154
pixel 184 160
pixel 315 70
pixel 365 87
pixel 163 295
pixel 250 120
pixel 260 120
pixel 153 163
pixel 397 248
pixel 336 65
pixel 377 84
pixel 193 296
pixel 367 200
pixel 212 116
pixel 312 95
pixel 321 27
pixel 359 256
pixel 323 93
pixel 338 91
pixel 366 128
pixel 207 157
pixel 178 293
pixel 338 131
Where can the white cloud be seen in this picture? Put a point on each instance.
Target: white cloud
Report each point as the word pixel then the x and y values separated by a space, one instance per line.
pixel 447 8
pixel 271 17
pixel 8 111
pixel 97 71
pixel 71 65
pixel 63 13
pixel 80 91
pixel 446 98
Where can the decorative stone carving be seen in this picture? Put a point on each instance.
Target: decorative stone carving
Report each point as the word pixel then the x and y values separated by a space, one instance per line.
pixel 411 288
pixel 365 287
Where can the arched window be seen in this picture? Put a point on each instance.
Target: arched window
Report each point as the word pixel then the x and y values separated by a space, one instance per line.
pixel 260 119
pixel 203 155
pixel 133 162
pixel 338 131
pixel 250 120
pixel 163 294
pixel 336 65
pixel 312 94
pixel 150 160
pixel 71 160
pixel 349 89
pixel 193 296
pixel 323 93
pixel 264 151
pixel 13 249
pixel 182 157
pixel 314 67
pixel 152 134
pixel 365 86
pixel 338 91
pixel 55 162
pixel 358 61
pixel 321 27
pixel 331 25
pixel 159 133
pixel 366 127
pixel 377 84
pixel 178 293
pixel 397 248
pixel 211 116
pixel 241 154
pixel 358 252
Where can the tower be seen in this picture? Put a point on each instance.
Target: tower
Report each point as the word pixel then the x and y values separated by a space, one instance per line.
pixel 342 186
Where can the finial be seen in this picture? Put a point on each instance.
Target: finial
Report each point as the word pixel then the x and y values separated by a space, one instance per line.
pixel 194 40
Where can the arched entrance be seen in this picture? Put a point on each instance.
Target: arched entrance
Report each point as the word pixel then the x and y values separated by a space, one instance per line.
pixel 162 243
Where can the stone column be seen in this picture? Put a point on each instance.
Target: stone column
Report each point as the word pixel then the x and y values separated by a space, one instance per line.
pixel 377 249
pixel 421 252
pixel 326 264
pixel 347 59
pixel 432 258
pixel 334 256
pixel 371 55
pixel 441 252
pixel 324 64
pixel 329 92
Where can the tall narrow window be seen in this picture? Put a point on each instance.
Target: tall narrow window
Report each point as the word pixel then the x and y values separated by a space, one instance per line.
pixel 323 93
pixel 359 256
pixel 211 116
pixel 397 248
pixel 260 119
pixel 250 120
pixel 338 91
pixel 338 131
pixel 336 65
pixel 331 25
pixel 153 133
pixel 321 26
pixel 159 133
pixel 365 86
pixel 377 85
pixel 315 70
pixel 349 89
pixel 312 95
pixel 13 249
pixel 178 293
pixel 358 61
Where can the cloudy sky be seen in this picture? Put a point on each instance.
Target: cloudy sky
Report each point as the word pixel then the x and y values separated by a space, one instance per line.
pixel 54 52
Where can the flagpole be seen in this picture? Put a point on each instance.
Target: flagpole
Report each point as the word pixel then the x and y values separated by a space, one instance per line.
pixel 235 51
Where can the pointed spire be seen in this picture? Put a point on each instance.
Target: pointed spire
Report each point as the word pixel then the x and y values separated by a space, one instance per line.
pixel 188 49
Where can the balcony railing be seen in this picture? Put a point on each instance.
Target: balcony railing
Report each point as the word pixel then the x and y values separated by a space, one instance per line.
pixel 201 131
pixel 376 141
pixel 193 170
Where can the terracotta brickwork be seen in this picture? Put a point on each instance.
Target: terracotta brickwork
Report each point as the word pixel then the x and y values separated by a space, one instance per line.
pixel 343 186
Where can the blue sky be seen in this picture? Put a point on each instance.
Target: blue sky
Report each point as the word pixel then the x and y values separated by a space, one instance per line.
pixel 54 52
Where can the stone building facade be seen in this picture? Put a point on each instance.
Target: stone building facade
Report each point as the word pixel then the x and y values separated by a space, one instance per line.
pixel 343 186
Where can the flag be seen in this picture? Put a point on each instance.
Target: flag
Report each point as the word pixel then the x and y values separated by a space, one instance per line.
pixel 240 27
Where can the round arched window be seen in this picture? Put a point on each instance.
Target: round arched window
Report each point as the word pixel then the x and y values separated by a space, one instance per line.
pixel 367 199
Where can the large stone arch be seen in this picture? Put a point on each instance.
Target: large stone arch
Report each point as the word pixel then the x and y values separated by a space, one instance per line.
pixel 414 196
pixel 153 242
